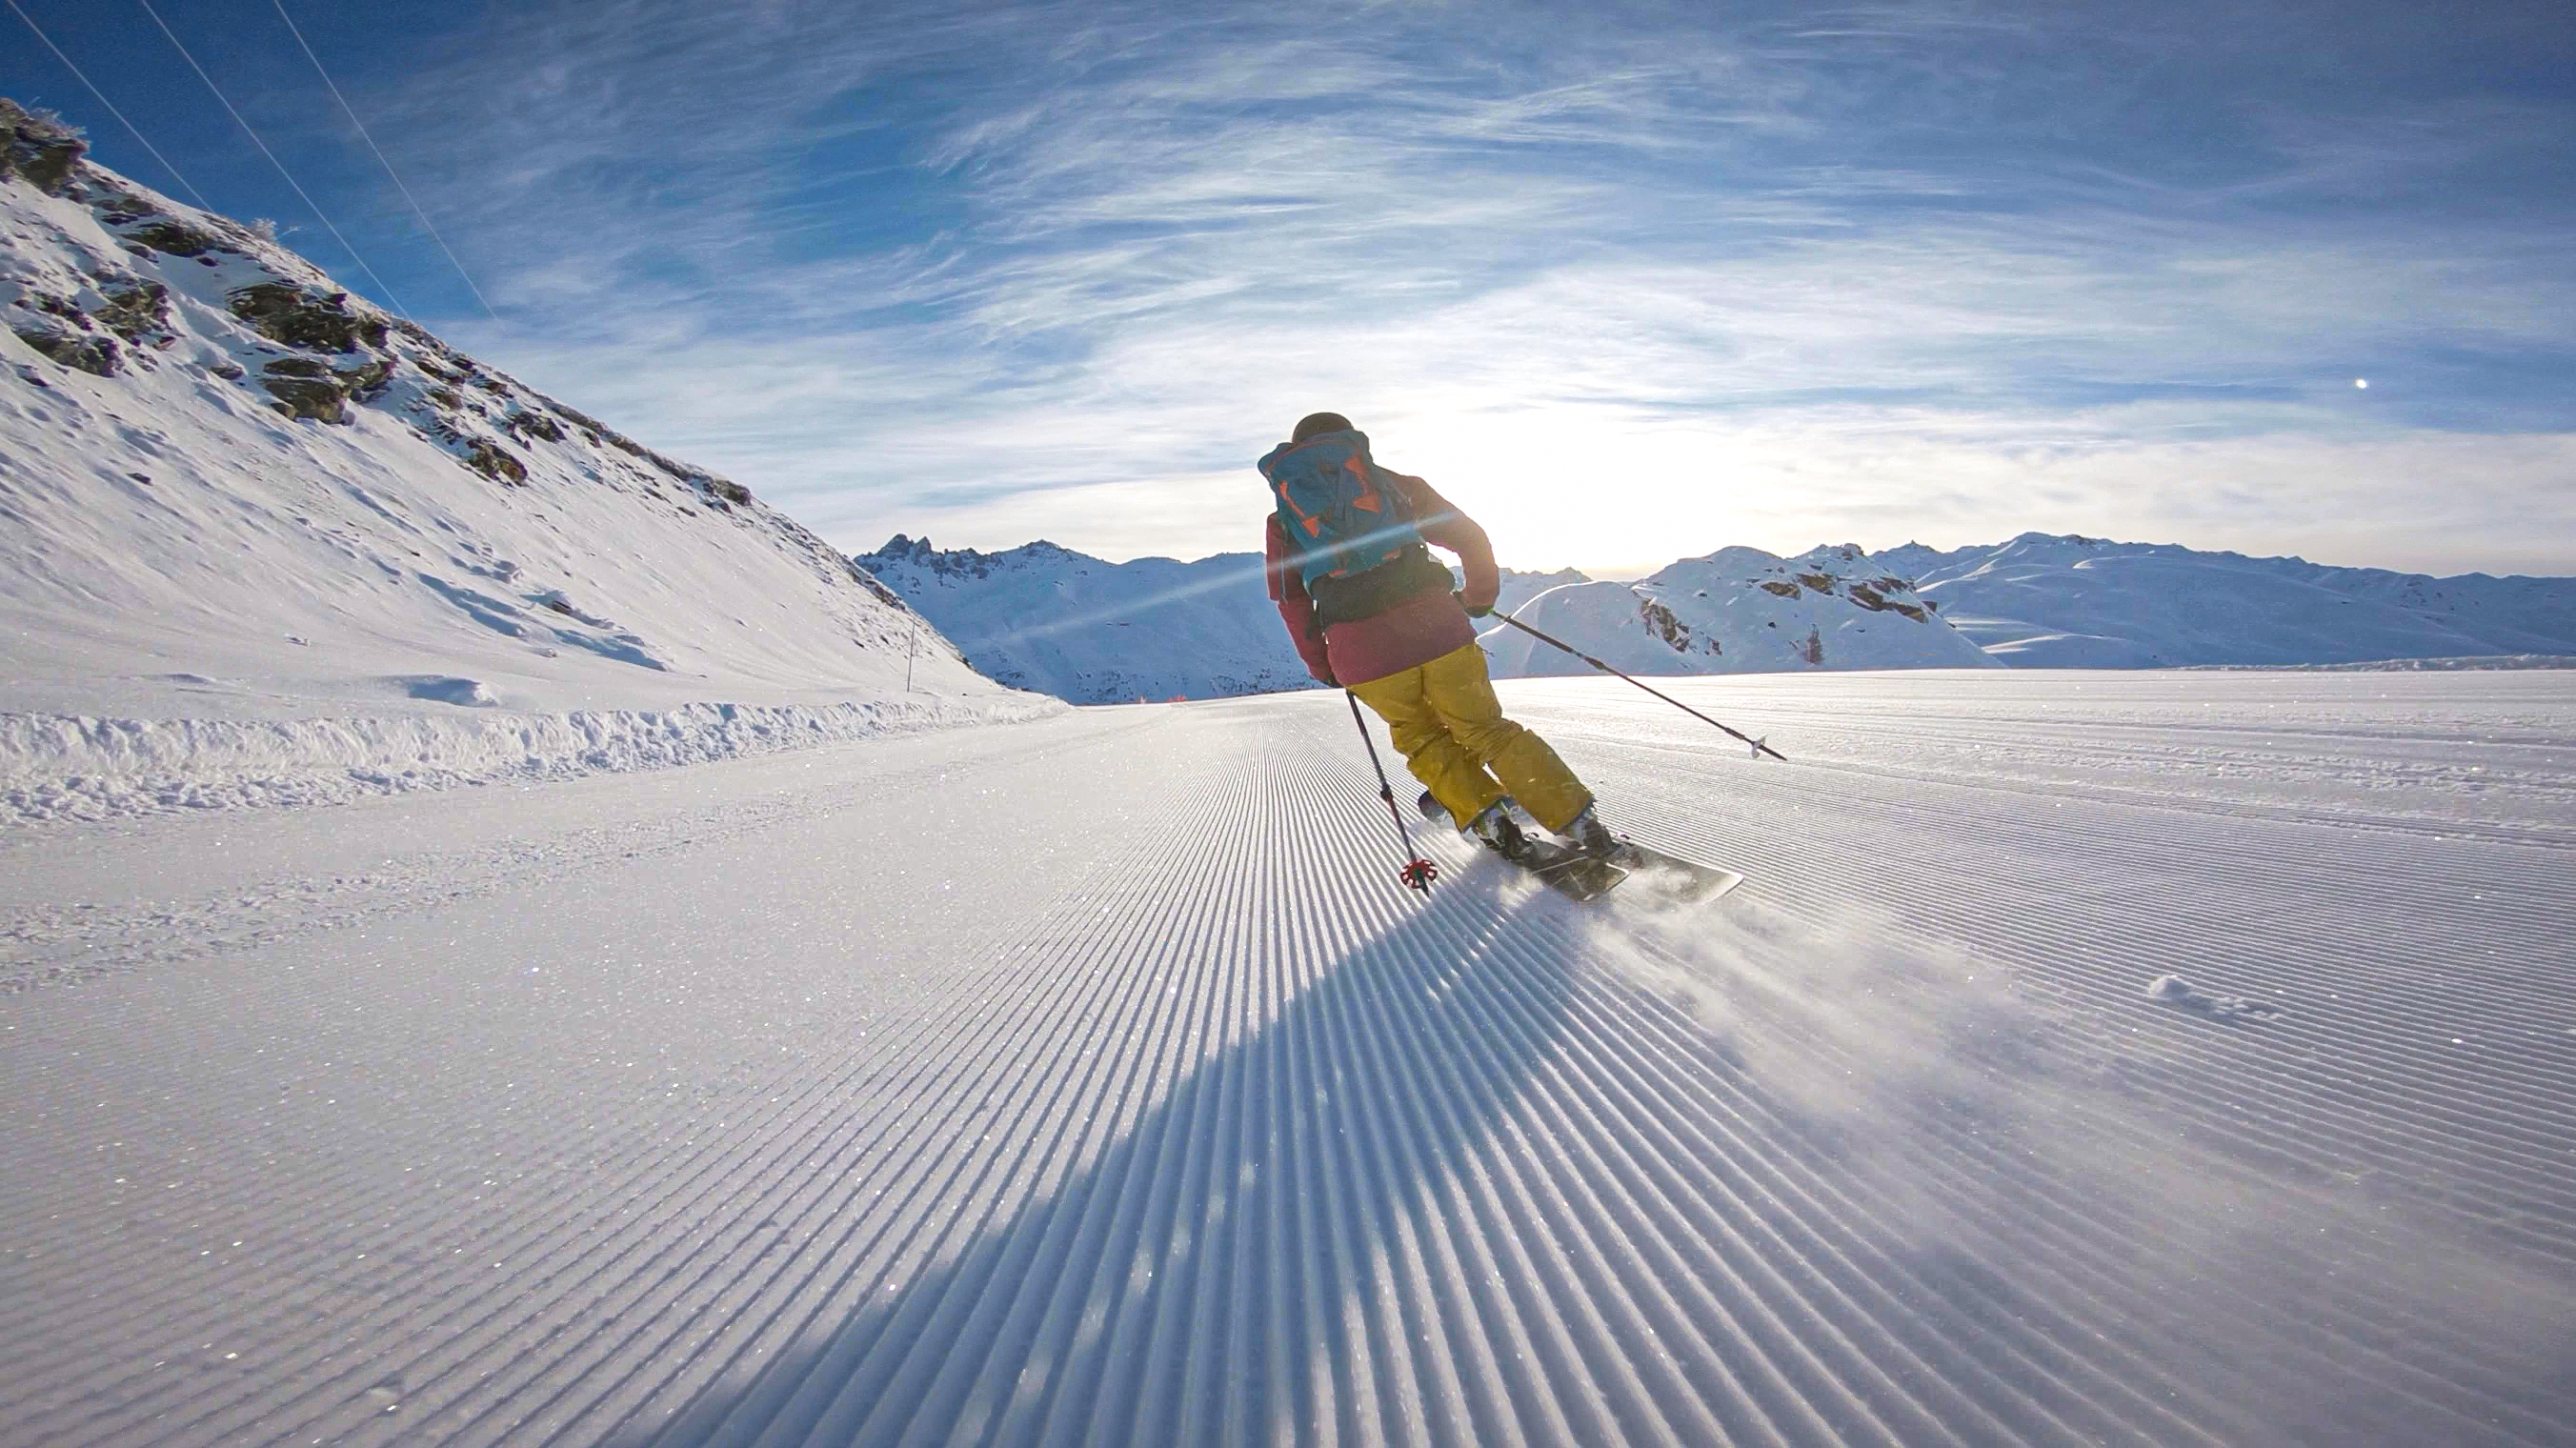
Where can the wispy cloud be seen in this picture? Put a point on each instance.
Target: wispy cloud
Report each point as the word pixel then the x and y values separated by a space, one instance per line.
pixel 1057 269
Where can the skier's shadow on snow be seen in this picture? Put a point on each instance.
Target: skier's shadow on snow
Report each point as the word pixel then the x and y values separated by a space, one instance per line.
pixel 1226 1268
pixel 1313 1231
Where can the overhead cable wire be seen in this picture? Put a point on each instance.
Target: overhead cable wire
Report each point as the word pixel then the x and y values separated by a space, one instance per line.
pixel 352 113
pixel 111 106
pixel 244 123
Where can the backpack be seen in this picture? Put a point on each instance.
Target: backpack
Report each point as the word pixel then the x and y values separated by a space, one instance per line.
pixel 1338 510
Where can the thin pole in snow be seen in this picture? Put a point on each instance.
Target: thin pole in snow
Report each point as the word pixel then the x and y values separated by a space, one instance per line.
pixel 1418 873
pixel 1759 747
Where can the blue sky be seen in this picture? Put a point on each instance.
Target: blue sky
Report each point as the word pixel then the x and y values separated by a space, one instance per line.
pixel 1626 281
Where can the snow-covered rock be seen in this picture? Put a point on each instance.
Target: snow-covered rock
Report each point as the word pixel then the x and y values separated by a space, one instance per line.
pixel 1736 611
pixel 2077 602
pixel 236 495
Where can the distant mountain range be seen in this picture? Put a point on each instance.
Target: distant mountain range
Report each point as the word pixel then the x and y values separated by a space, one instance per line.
pixel 2041 601
pixel 1047 618
pixel 1064 623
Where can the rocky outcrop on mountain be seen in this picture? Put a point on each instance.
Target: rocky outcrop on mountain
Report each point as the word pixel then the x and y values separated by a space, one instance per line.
pixel 306 345
pixel 38 146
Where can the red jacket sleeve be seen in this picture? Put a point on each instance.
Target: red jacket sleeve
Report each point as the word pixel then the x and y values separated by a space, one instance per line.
pixel 1288 590
pixel 1443 526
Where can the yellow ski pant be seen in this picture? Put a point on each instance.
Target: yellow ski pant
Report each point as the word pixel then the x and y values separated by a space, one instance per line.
pixel 1451 730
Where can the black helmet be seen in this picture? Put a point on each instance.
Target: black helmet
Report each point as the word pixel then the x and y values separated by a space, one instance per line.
pixel 1315 422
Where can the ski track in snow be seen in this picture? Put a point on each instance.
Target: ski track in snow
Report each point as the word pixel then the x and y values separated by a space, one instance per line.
pixel 1092 1080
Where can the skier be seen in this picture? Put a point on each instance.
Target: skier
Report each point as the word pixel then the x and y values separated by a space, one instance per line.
pixel 1373 613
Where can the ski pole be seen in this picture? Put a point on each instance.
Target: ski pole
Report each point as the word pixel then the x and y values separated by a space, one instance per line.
pixel 1418 872
pixel 1759 748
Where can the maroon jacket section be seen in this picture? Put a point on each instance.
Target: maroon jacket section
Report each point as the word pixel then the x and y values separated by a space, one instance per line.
pixel 1412 633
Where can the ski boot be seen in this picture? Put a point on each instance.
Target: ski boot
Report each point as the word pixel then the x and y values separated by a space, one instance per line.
pixel 1588 834
pixel 1497 831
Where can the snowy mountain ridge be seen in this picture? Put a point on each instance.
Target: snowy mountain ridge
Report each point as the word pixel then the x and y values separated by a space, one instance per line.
pixel 1739 611
pixel 266 541
pixel 1044 617
pixel 2041 600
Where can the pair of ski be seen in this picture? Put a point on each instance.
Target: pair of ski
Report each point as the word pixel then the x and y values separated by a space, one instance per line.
pixel 1578 876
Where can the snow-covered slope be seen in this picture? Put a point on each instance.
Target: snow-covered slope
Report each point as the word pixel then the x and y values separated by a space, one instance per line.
pixel 2140 1059
pixel 264 541
pixel 2076 602
pixel 1738 611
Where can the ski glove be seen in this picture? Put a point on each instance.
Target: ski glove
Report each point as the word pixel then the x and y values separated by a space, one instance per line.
pixel 1472 610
